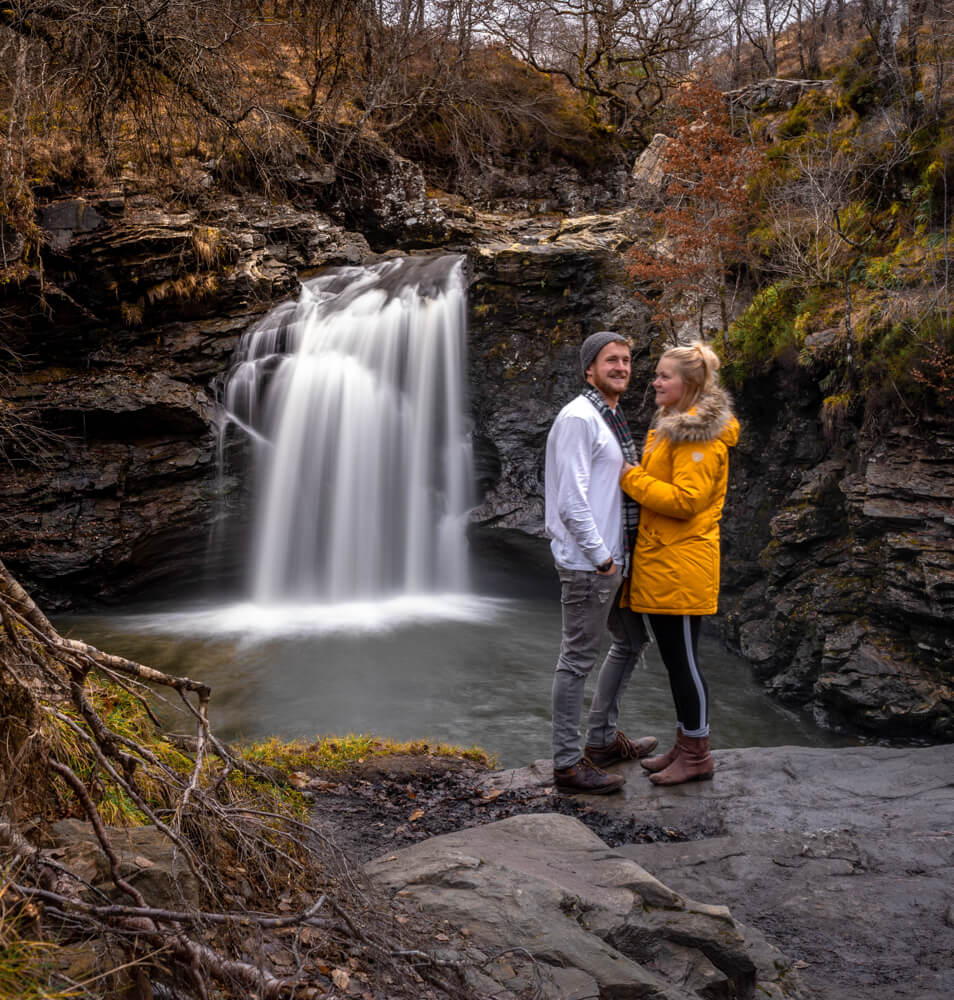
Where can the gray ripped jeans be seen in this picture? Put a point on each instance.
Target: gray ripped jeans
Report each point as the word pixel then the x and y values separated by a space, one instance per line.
pixel 590 606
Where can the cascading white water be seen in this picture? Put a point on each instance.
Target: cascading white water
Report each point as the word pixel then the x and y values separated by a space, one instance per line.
pixel 354 399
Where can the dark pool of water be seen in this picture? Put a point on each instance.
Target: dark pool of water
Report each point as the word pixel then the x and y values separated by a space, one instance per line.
pixel 463 670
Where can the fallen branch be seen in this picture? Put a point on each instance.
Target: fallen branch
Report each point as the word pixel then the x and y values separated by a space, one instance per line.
pixel 238 919
pixel 221 814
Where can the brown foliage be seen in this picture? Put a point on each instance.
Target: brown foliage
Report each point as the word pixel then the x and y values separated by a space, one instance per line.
pixel 702 227
pixel 495 112
pixel 936 374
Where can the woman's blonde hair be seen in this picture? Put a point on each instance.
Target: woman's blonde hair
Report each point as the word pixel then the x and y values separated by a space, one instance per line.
pixel 697 364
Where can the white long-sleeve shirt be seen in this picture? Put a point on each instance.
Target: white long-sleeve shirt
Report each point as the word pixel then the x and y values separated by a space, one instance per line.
pixel 583 498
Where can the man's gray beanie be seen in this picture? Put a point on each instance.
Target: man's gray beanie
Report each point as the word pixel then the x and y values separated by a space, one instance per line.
pixel 595 343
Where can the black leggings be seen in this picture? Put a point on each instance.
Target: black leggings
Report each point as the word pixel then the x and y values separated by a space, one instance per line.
pixel 678 637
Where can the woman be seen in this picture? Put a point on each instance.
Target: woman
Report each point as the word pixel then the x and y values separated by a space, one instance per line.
pixel 680 485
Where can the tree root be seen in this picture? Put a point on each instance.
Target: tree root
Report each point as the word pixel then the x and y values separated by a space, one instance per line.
pixel 240 836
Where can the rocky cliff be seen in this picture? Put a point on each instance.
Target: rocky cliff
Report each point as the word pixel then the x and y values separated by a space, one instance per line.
pixel 533 300
pixel 839 580
pixel 119 340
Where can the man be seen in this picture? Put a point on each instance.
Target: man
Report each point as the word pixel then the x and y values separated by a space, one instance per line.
pixel 585 519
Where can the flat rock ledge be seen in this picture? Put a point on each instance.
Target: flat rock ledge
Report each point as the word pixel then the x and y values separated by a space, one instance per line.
pixel 829 876
pixel 843 859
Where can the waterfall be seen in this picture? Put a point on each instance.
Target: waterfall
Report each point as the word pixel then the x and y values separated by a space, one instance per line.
pixel 354 402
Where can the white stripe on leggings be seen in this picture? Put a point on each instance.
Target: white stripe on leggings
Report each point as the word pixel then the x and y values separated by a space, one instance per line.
pixel 697 680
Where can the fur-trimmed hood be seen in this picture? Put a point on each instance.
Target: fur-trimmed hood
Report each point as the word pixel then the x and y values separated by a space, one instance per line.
pixel 709 419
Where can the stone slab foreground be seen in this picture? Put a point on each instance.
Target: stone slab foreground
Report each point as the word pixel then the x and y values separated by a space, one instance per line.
pixel 843 858
pixel 551 911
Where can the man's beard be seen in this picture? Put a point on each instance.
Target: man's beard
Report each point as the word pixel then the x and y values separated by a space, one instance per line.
pixel 608 388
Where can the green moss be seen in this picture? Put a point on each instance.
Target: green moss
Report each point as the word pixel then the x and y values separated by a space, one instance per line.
pixel 836 411
pixel 908 362
pixel 339 753
pixel 930 171
pixel 796 123
pixel 764 330
pixel 126 716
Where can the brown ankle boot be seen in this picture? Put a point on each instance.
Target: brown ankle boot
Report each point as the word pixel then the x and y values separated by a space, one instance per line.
pixel 693 762
pixel 661 761
pixel 622 748
pixel 586 777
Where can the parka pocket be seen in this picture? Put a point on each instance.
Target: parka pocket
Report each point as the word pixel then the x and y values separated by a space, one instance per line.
pixel 670 530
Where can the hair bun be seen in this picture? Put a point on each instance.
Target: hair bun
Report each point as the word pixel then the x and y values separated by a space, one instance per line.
pixel 709 357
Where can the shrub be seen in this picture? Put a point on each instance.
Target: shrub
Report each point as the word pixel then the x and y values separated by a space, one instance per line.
pixel 765 329
pixel 857 79
pixel 796 123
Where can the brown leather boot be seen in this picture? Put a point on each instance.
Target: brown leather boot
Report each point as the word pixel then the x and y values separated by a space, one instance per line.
pixel 693 762
pixel 587 778
pixel 622 748
pixel 661 761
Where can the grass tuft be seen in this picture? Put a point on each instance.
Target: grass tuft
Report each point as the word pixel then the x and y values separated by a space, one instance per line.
pixel 336 753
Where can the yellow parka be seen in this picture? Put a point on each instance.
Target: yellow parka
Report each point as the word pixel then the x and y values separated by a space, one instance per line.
pixel 680 485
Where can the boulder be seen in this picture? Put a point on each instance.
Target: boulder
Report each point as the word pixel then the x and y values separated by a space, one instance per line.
pixel 574 915
pixel 649 173
pixel 774 94
pixel 62 219
pixel 148 860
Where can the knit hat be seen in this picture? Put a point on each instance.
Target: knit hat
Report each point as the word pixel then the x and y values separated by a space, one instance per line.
pixel 595 343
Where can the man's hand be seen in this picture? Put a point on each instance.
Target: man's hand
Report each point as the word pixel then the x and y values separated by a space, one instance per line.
pixel 603 571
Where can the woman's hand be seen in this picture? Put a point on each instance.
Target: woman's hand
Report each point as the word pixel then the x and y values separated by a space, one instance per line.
pixel 627 467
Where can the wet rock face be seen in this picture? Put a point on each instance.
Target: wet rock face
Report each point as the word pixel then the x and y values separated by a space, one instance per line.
pixel 532 303
pixel 839 575
pixel 551 188
pixel 391 206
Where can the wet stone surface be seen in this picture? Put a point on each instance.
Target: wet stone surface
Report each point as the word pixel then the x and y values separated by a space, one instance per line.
pixel 841 858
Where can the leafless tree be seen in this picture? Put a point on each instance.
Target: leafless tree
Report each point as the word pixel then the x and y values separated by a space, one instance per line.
pixel 621 55
pixel 760 23
pixel 931 50
pixel 884 20
pixel 810 26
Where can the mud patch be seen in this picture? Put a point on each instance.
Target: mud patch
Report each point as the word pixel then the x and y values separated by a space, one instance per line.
pixel 395 802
